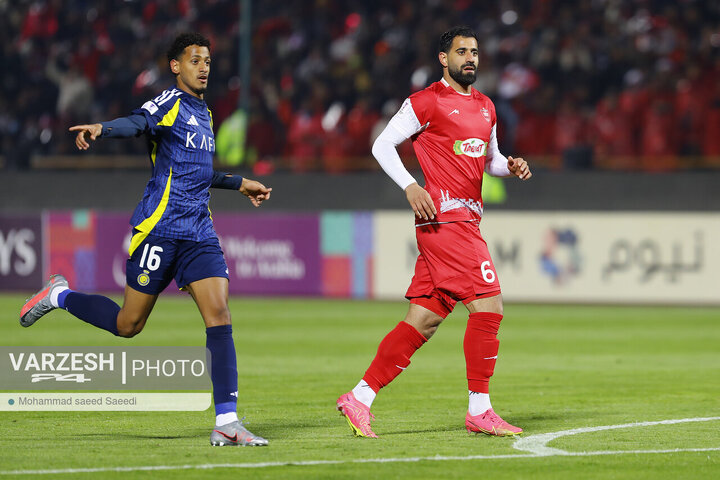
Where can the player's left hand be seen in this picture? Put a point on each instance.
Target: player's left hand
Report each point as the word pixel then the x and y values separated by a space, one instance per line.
pixel 255 191
pixel 519 168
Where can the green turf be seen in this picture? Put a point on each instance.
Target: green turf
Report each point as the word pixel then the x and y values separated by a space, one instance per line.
pixel 560 368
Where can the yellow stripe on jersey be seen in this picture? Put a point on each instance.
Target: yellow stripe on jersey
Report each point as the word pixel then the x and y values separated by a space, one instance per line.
pixel 153 153
pixel 149 223
pixel 211 121
pixel 170 116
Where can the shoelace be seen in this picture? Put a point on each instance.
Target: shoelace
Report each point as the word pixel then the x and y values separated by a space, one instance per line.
pixel 246 434
pixel 493 417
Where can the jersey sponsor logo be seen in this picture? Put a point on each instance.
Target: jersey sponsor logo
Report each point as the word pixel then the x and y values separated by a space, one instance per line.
pixel 485 114
pixel 205 142
pixel 472 147
pixel 193 121
pixel 150 107
pixel 454 111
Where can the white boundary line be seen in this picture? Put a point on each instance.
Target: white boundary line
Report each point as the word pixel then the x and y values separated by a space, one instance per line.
pixel 534 444
pixel 537 444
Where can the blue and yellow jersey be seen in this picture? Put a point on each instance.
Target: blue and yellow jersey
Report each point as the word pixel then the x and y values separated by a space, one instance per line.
pixel 181 146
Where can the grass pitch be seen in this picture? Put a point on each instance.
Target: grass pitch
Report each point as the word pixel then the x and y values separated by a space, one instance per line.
pixel 560 368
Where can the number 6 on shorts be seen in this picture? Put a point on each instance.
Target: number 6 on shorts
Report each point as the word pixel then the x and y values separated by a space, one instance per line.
pixel 487 272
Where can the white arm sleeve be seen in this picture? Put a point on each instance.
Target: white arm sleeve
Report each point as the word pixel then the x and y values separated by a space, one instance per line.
pixel 496 163
pixel 401 127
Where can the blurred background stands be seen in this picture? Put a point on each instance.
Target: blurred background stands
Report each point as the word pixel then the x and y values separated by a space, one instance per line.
pixel 606 84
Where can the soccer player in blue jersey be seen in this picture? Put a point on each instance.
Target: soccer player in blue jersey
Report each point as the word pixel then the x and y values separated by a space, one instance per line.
pixel 173 234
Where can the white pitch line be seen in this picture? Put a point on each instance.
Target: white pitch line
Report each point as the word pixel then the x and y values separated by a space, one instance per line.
pixel 535 444
pixel 624 452
pixel 437 458
pixel 259 465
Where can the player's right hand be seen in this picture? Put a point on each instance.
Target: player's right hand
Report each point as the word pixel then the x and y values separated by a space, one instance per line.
pixel 420 201
pixel 94 130
pixel 255 191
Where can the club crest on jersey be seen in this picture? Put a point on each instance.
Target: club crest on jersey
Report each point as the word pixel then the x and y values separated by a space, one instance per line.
pixel 472 147
pixel 485 114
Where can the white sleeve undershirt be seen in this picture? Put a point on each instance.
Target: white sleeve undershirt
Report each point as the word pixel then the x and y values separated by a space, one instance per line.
pixel 496 164
pixel 401 127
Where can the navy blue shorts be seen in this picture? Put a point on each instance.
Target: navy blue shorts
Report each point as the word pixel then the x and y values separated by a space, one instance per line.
pixel 157 260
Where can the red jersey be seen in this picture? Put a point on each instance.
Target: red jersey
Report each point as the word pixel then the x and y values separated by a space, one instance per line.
pixel 452 147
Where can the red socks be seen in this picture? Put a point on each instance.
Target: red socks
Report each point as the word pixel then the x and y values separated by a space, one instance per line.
pixel 393 355
pixel 480 345
pixel 481 349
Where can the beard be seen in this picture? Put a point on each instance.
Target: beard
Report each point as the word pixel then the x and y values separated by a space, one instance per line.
pixel 463 78
pixel 199 90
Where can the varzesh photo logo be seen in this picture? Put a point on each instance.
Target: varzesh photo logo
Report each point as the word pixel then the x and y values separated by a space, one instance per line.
pixel 89 368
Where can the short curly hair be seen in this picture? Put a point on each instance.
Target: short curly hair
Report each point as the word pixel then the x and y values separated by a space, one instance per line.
pixel 446 38
pixel 183 41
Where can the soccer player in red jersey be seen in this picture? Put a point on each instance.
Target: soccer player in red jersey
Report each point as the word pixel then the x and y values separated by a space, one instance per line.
pixel 453 130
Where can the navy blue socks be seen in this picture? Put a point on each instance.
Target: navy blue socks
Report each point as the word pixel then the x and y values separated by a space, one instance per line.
pixel 223 368
pixel 102 312
pixel 93 309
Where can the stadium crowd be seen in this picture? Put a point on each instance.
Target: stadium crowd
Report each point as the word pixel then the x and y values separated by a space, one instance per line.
pixel 631 81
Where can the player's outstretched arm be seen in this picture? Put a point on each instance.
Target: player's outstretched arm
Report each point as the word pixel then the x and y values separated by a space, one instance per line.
pixel 420 201
pixel 255 191
pixel 93 130
pixel 519 168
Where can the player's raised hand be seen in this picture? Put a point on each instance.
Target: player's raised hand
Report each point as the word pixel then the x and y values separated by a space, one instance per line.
pixel 255 191
pixel 420 201
pixel 519 168
pixel 94 130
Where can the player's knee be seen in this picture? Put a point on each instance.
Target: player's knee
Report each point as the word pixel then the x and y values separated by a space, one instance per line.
pixel 428 325
pixel 129 327
pixel 429 330
pixel 128 331
pixel 219 316
pixel 498 305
